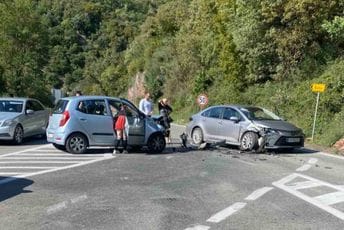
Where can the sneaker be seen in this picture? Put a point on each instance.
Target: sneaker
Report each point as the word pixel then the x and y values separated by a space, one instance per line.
pixel 125 151
pixel 115 151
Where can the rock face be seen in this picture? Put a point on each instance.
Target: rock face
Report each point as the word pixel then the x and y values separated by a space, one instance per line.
pixel 137 90
pixel 340 145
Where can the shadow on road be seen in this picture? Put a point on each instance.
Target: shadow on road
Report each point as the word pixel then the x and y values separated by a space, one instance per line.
pixel 35 140
pixel 11 186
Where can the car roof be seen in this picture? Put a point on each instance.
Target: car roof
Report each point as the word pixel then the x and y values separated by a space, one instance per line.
pixel 87 97
pixel 237 106
pixel 16 98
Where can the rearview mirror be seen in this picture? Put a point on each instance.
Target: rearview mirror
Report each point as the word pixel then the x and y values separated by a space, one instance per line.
pixel 235 119
pixel 30 111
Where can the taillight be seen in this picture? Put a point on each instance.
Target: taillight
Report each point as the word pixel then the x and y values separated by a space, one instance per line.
pixel 65 118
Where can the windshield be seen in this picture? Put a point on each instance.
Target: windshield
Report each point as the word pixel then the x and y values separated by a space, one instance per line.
pixel 256 113
pixel 11 106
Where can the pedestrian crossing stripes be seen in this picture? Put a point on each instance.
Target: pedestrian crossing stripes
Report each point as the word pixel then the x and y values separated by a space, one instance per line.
pixel 298 184
pixel 41 160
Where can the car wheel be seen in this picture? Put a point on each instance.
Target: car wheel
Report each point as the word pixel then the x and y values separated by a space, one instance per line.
pixel 59 147
pixel 156 143
pixel 197 136
pixel 18 135
pixel 249 141
pixel 76 143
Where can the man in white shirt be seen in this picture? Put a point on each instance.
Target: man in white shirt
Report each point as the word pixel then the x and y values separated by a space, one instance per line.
pixel 146 106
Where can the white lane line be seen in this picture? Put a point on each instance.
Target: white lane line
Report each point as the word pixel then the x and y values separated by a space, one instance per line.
pixel 218 217
pixel 304 167
pixel 331 198
pixel 304 185
pixel 57 207
pixel 65 167
pixel 26 167
pixel 46 158
pixel 61 154
pixel 39 162
pixel 331 155
pixel 281 184
pixel 258 193
pixel 169 157
pixel 8 173
pixel 245 162
pixel 312 161
pixel 24 151
pixel 198 227
pixel 78 199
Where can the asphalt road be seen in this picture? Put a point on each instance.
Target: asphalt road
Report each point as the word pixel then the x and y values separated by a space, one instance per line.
pixel 214 188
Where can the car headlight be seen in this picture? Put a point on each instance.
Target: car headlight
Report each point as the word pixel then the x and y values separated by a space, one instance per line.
pixel 272 131
pixel 7 123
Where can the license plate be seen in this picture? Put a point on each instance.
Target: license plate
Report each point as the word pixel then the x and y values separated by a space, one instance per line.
pixel 293 140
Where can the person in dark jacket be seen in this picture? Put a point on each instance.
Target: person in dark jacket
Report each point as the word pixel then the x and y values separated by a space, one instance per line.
pixel 165 110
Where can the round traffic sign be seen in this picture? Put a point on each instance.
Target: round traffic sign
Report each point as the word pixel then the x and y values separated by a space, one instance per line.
pixel 202 100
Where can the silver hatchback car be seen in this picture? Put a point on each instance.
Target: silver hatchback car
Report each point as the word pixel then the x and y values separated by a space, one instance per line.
pixel 80 122
pixel 244 126
pixel 22 117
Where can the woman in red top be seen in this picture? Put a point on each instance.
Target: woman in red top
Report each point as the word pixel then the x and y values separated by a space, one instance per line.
pixel 120 123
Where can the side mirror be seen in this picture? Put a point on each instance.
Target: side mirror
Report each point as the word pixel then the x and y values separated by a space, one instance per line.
pixel 30 111
pixel 235 119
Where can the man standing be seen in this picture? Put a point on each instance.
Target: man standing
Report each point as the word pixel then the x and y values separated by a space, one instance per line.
pixel 146 106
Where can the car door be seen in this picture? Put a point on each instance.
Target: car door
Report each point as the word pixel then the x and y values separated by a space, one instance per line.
pixel 40 117
pixel 137 124
pixel 29 121
pixel 211 121
pixel 229 128
pixel 94 117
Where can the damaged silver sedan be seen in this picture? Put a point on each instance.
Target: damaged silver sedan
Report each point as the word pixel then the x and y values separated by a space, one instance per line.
pixel 248 127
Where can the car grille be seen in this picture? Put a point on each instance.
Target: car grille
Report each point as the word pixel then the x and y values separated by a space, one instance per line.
pixel 282 141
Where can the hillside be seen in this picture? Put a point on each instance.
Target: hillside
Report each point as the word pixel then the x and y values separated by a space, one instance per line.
pixel 265 53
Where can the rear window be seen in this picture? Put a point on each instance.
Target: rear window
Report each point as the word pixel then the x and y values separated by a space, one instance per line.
pixel 60 106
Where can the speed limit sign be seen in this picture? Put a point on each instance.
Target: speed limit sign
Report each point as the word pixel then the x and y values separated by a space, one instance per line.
pixel 202 100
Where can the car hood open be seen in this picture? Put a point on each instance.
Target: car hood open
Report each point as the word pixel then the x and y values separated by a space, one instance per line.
pixel 277 124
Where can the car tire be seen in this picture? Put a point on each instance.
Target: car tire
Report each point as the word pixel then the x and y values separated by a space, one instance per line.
pixel 76 143
pixel 18 135
pixel 197 136
pixel 156 143
pixel 249 141
pixel 59 147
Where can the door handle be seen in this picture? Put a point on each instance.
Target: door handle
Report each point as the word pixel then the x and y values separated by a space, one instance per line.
pixel 83 119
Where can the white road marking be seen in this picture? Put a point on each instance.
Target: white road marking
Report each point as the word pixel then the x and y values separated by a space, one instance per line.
pixel 57 207
pixel 258 193
pixel 304 167
pixel 169 157
pixel 60 154
pixel 331 198
pixel 312 161
pixel 198 227
pixel 78 199
pixel 331 155
pixel 24 151
pixel 39 162
pixel 9 173
pixel 245 162
pixel 321 203
pixel 26 167
pixel 49 158
pixel 218 217
pixel 304 185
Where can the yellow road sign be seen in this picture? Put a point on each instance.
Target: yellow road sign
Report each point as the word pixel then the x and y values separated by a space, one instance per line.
pixel 318 88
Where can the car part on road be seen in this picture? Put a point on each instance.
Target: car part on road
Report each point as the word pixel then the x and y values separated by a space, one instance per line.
pixel 76 143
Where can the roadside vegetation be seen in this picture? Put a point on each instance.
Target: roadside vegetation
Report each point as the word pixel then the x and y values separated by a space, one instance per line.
pixel 265 53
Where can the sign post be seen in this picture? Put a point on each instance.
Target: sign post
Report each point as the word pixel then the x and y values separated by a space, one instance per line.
pixel 317 88
pixel 202 100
